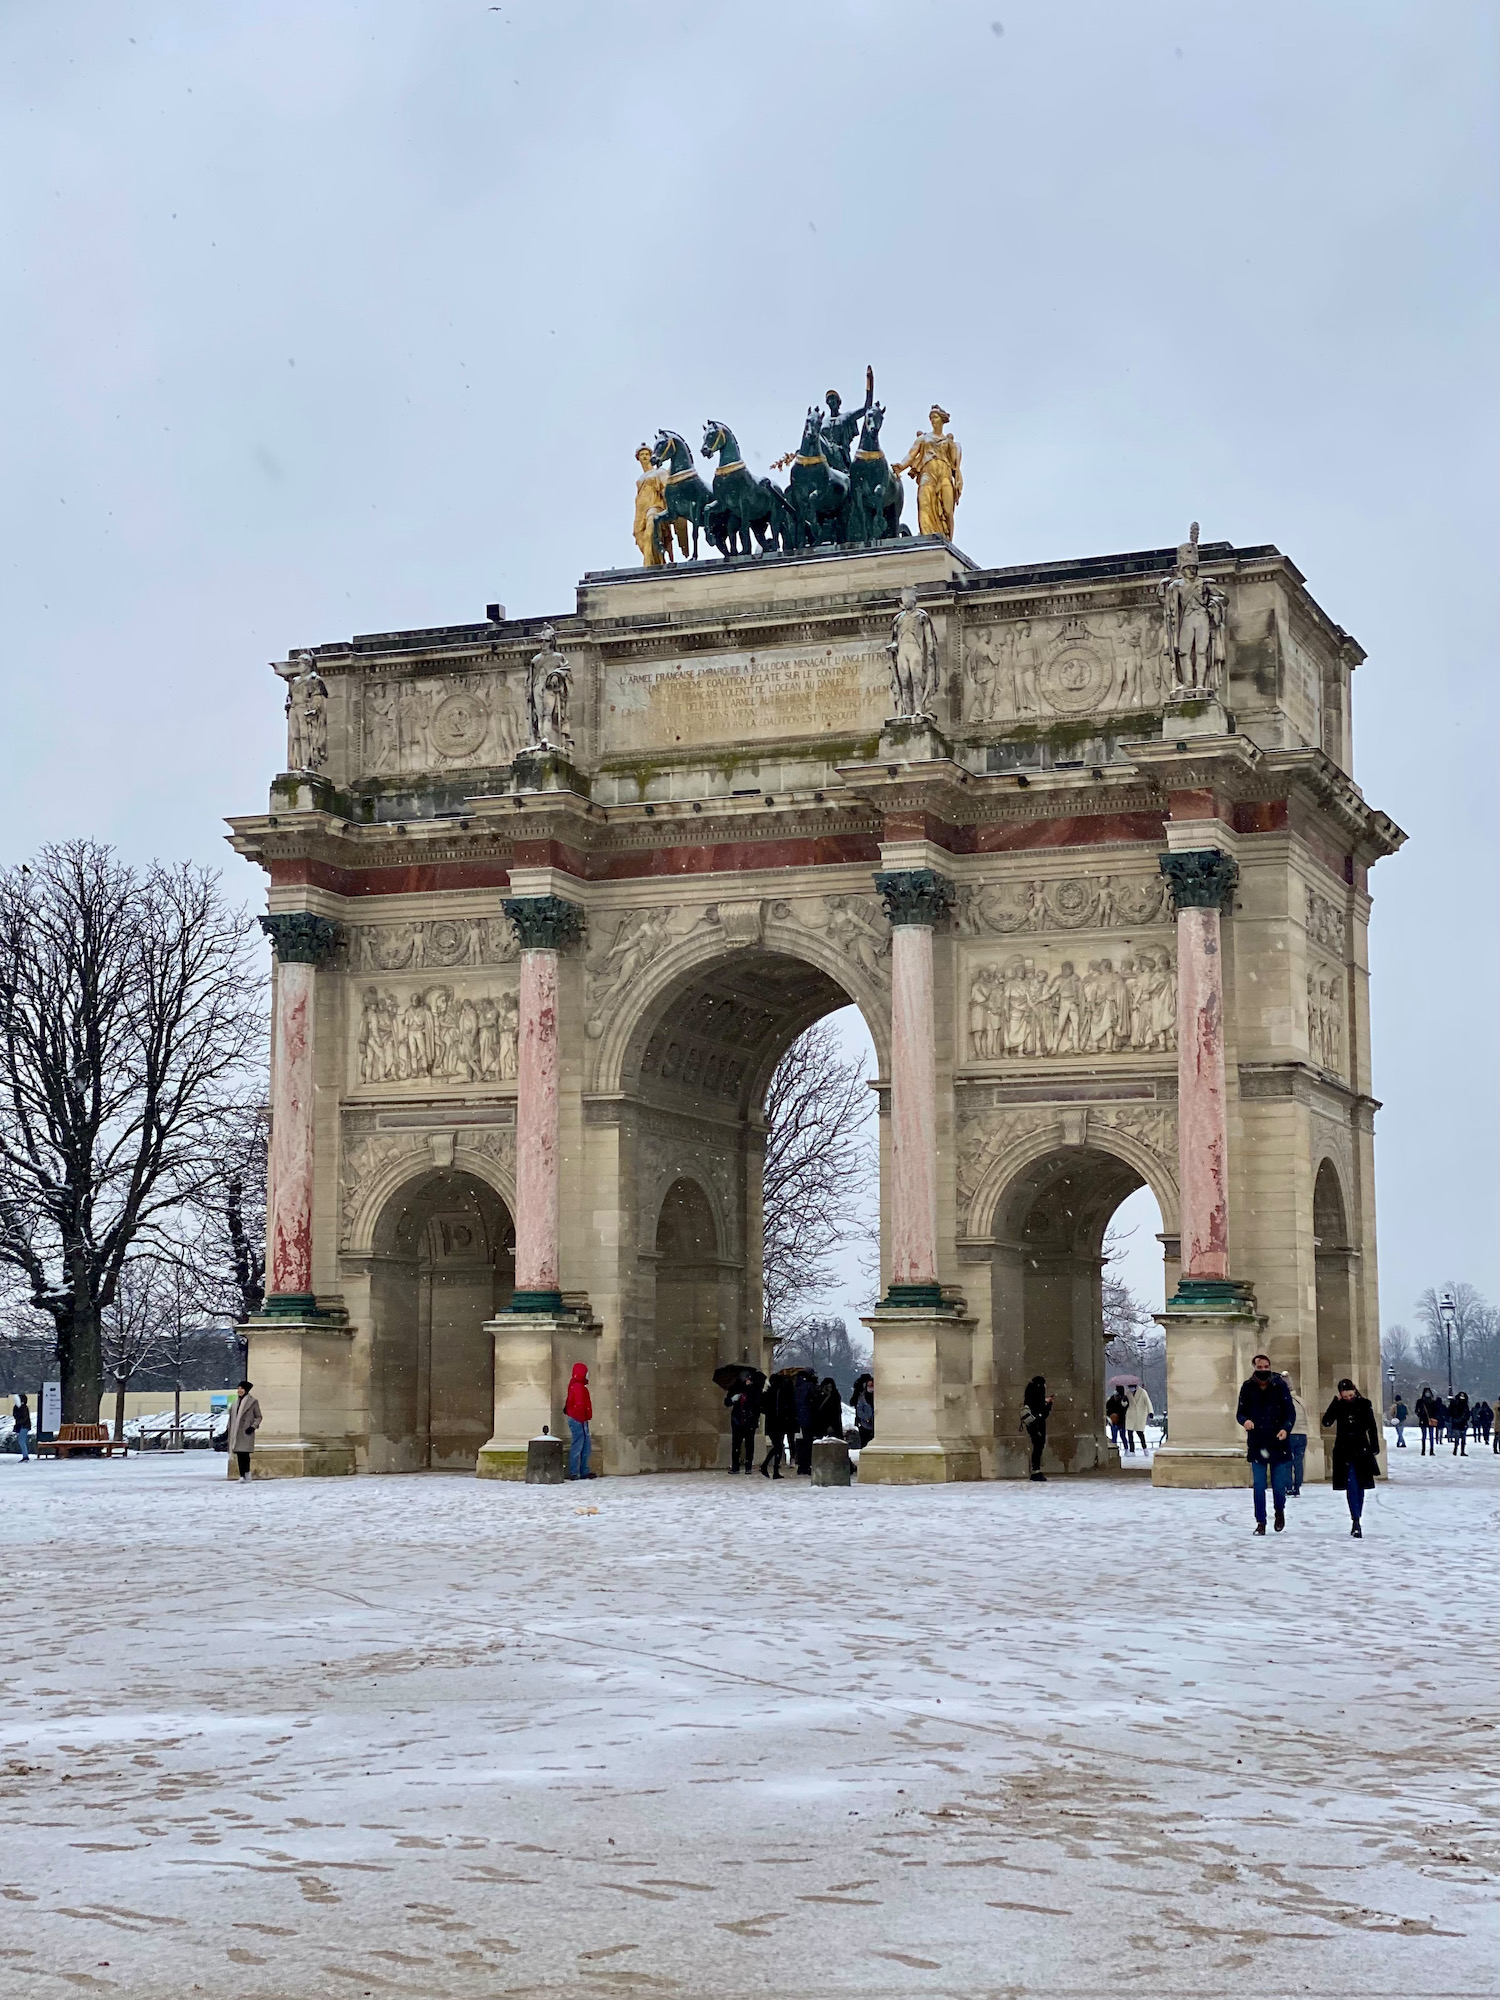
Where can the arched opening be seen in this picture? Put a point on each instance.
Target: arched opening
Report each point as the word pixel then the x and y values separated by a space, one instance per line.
pixel 1048 1270
pixel 1333 1258
pixel 689 1323
pixel 694 1079
pixel 444 1264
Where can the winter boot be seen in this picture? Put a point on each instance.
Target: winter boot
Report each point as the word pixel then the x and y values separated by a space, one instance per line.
pixel 1280 1521
pixel 1260 1527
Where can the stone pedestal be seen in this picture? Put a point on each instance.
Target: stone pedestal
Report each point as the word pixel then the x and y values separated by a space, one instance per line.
pixel 1213 1330
pixel 924 1375
pixel 830 1462
pixel 1189 715
pixel 546 1461
pixel 303 1380
pixel 913 739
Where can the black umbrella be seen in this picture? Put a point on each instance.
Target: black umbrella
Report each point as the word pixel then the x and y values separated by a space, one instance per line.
pixel 736 1371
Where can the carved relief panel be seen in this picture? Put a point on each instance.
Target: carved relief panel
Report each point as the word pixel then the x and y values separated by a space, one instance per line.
pixel 1039 671
pixel 452 1034
pixel 440 942
pixel 1064 1003
pixel 442 724
pixel 1325 1016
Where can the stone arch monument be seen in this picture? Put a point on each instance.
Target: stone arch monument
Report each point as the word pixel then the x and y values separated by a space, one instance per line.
pixel 1099 889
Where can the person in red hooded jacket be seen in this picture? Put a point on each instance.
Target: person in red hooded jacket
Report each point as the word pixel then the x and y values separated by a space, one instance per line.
pixel 578 1408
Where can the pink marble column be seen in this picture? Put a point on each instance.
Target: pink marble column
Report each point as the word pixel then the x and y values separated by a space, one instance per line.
pixel 1202 880
pixel 543 924
pixel 914 901
pixel 536 1128
pixel 302 942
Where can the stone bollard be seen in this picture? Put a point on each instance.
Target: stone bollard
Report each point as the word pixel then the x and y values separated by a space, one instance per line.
pixel 546 1460
pixel 830 1462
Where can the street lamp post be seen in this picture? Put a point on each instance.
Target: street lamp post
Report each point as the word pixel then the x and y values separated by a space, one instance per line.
pixel 1448 1313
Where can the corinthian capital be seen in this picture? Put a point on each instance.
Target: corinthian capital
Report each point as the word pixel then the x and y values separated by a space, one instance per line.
pixel 914 895
pixel 299 938
pixel 1200 878
pixel 544 923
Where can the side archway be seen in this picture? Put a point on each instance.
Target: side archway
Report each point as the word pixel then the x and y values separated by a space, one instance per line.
pixel 442 1263
pixel 1335 1267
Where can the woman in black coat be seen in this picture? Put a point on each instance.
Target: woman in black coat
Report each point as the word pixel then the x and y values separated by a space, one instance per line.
pixel 1356 1448
pixel 828 1410
pixel 1038 1407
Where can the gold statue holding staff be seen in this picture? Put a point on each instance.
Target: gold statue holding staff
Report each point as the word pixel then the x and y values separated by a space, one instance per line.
pixel 652 530
pixel 935 462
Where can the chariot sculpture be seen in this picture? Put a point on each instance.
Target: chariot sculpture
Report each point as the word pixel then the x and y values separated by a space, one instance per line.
pixel 838 493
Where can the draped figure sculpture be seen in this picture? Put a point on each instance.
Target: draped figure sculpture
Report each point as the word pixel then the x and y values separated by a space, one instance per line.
pixel 935 461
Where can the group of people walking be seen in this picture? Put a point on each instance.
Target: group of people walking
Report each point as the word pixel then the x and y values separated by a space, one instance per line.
pixel 1128 1414
pixel 796 1408
pixel 1452 1422
pixel 1274 1418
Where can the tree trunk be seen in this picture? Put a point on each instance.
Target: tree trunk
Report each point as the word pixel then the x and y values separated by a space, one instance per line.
pixel 119 1408
pixel 81 1367
pixel 177 1416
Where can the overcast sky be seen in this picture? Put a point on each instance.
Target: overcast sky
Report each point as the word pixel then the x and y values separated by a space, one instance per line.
pixel 322 319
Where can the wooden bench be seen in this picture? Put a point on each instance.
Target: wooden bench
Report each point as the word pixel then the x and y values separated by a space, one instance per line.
pixel 84 1437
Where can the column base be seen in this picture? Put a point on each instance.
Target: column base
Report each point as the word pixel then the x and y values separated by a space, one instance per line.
pixel 926 1419
pixel 1200 1465
pixel 313 1458
pixel 535 1302
pixel 301 1371
pixel 1212 1330
pixel 534 1355
pixel 916 1465
pixel 1188 714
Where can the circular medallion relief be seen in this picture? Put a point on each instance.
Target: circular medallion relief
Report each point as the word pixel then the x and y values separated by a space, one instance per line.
pixel 1073 682
pixel 445 942
pixel 1073 902
pixel 458 725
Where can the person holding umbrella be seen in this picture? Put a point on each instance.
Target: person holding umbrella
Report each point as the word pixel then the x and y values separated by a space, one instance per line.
pixel 742 1387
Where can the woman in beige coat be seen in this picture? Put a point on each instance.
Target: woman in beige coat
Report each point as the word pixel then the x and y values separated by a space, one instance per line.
pixel 244 1422
pixel 1137 1412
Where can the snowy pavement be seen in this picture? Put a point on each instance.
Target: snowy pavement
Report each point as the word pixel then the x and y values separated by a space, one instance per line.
pixel 441 1737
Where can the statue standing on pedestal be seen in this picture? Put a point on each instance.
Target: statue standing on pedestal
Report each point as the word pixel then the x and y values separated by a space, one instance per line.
pixel 913 647
pixel 549 682
pixel 306 714
pixel 840 428
pixel 1192 633
pixel 652 530
pixel 935 462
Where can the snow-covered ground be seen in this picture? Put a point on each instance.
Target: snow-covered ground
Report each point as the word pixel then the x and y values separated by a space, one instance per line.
pixel 717 1737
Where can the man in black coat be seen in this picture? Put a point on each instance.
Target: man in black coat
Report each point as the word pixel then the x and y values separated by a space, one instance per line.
pixel 1424 1420
pixel 1458 1424
pixel 1266 1413
pixel 743 1405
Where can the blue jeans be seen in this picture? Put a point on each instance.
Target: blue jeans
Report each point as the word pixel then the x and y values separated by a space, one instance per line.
pixel 1298 1443
pixel 1355 1493
pixel 1281 1473
pixel 578 1450
pixel 23 1439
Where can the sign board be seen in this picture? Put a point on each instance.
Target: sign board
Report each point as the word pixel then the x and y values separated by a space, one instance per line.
pixel 51 1412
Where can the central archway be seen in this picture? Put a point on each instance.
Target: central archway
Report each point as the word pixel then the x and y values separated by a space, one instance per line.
pixel 1047 1269
pixel 694 1072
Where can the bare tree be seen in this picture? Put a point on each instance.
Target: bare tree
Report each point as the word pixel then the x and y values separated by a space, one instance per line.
pixel 1134 1343
pixel 1475 1337
pixel 1400 1360
pixel 131 1021
pixel 828 1347
pixel 132 1324
pixel 819 1171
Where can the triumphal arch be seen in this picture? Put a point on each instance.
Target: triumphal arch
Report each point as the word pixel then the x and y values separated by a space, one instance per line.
pixel 549 899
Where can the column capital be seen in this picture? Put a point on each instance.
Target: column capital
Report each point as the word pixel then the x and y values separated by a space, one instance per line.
pixel 1200 878
pixel 544 923
pixel 299 938
pixel 914 895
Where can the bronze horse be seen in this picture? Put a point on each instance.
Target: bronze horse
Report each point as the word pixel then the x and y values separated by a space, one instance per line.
pixel 817 493
pixel 875 493
pixel 741 503
pixel 688 499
